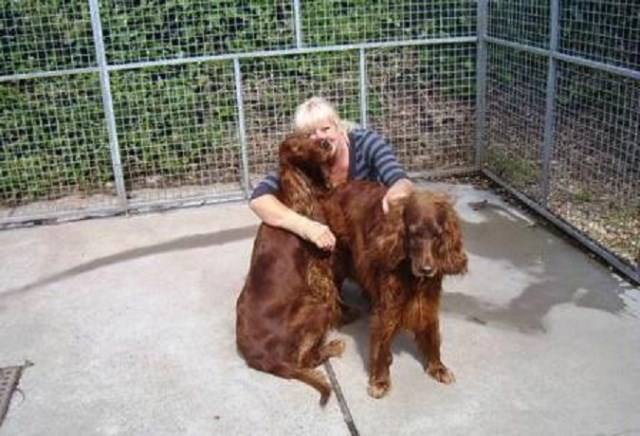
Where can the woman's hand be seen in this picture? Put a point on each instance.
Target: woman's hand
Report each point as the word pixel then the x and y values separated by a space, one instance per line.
pixel 320 235
pixel 400 189
pixel 310 230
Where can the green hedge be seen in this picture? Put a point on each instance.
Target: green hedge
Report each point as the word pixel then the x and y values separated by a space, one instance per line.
pixel 53 139
pixel 47 35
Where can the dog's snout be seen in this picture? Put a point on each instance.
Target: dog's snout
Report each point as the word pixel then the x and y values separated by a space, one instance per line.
pixel 426 269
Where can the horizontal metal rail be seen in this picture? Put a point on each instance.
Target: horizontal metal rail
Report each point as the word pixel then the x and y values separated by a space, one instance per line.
pixel 576 60
pixel 133 207
pixel 245 55
pixel 45 74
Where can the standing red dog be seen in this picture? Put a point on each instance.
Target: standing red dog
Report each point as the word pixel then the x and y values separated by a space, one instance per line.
pixel 400 259
pixel 290 298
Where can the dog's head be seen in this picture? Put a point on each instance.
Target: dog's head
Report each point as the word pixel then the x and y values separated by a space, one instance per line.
pixel 433 240
pixel 422 229
pixel 312 157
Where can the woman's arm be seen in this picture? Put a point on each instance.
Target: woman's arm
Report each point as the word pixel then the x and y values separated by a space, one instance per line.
pixel 271 211
pixel 382 159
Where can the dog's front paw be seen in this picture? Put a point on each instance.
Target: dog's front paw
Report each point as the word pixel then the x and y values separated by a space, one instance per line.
pixel 378 389
pixel 441 373
pixel 336 347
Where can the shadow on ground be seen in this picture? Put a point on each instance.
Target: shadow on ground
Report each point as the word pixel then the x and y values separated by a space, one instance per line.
pixel 179 244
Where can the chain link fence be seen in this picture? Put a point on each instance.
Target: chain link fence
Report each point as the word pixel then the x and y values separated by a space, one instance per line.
pixel 109 106
pixel 562 122
pixel 114 105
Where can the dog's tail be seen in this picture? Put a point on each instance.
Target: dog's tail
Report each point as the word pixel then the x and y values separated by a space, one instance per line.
pixel 312 377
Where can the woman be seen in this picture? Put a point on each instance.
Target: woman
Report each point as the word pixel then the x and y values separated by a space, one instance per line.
pixel 360 154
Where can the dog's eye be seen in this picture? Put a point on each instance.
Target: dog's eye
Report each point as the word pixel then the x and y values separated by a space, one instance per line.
pixel 325 144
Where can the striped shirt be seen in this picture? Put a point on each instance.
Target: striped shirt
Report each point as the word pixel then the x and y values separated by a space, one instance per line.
pixel 370 158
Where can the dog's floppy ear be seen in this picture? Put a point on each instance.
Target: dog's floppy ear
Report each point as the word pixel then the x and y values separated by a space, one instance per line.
pixel 387 246
pixel 454 259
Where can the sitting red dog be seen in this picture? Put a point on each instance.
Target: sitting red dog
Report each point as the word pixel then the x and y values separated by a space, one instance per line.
pixel 400 259
pixel 290 298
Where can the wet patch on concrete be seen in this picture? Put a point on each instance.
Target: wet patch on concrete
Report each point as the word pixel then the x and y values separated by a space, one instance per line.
pixel 526 268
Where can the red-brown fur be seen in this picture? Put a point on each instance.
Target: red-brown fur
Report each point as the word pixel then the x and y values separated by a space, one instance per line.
pixel 290 298
pixel 400 260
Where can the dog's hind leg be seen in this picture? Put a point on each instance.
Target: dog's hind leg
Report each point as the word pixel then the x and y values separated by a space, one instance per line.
pixel 312 377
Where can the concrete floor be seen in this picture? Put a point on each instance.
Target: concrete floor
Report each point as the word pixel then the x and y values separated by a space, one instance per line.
pixel 130 325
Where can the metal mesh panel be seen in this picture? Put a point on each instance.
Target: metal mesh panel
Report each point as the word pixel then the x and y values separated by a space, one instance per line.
pixel 595 176
pixel 178 130
pixel 54 144
pixel 38 35
pixel 516 84
pixel 275 86
pixel 524 21
pixel 602 30
pixel 352 21
pixel 154 30
pixel 422 100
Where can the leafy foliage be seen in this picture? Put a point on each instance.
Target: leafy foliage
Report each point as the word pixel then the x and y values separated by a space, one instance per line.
pixel 53 138
pixel 44 35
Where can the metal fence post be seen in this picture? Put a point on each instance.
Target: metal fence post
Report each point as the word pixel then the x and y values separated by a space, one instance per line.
pixel 549 119
pixel 363 88
pixel 242 133
pixel 107 102
pixel 481 82
pixel 297 23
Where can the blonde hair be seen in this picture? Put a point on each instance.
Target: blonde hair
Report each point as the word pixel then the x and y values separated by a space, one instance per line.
pixel 317 111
